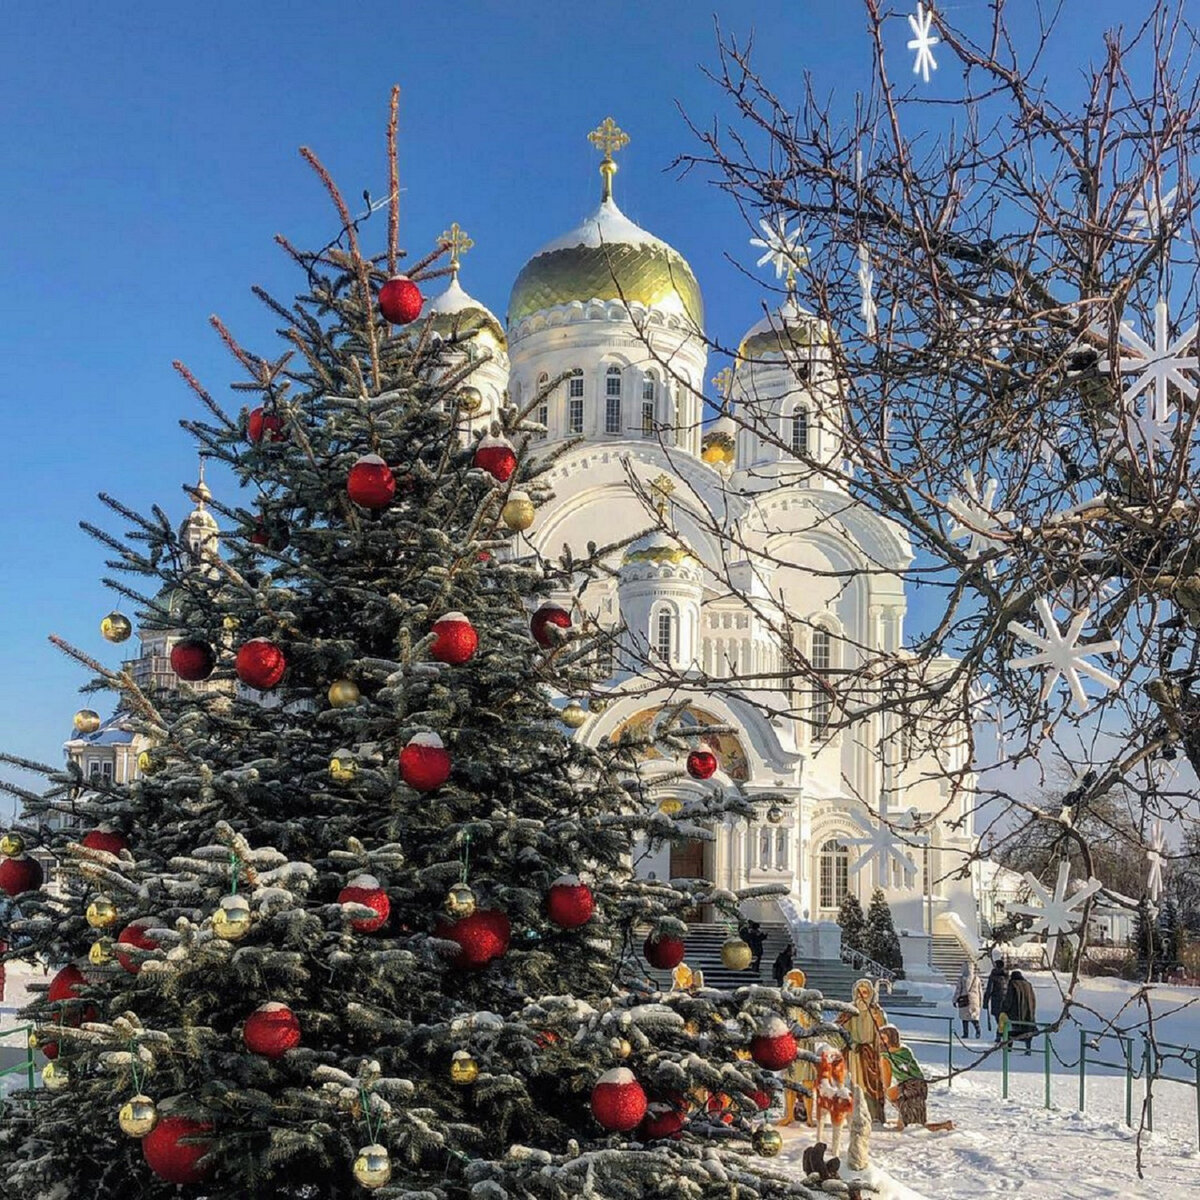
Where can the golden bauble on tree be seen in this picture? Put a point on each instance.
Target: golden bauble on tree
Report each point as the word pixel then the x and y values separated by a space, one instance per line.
pixel 231 921
pixel 101 913
pixel 736 954
pixel 470 400
pixel 573 715
pixel 621 1047
pixel 55 1077
pixel 342 767
pixel 767 1141
pixel 372 1167
pixel 115 627
pixel 344 693
pixel 670 806
pixel 138 1116
pixel 518 511
pixel 463 1068
pixel 86 721
pixel 460 901
pixel 12 845
pixel 100 953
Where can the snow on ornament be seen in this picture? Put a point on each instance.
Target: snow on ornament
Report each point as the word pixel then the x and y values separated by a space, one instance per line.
pixel 570 903
pixel 425 762
pixel 781 249
pixel 1055 914
pixel 1155 853
pixel 271 1030
pixel 923 41
pixel 264 426
pixel 618 1101
pixel 1062 654
pixel 104 838
pixel 977 520
pixel 496 456
pixel 773 1047
pixel 371 483
pixel 365 890
pixel 134 936
pixel 665 1117
pixel 455 639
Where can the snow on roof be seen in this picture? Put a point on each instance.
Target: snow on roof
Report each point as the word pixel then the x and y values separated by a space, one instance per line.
pixel 607 226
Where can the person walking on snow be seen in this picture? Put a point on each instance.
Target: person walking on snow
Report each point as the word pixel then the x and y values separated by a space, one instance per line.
pixel 968 997
pixel 993 995
pixel 1020 1010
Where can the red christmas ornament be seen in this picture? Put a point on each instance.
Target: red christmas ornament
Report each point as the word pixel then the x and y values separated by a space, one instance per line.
pixel 173 1159
pixel 260 664
pixel 371 482
pixel 496 456
pixel 618 1102
pixel 262 424
pixel 63 989
pixel 400 300
pixel 134 934
pixel 547 617
pixel 663 952
pixel 570 903
pixel 455 640
pixel 271 1030
pixel 20 875
pixel 192 660
pixel 773 1046
pixel 665 1117
pixel 271 534
pixel 365 890
pixel 701 764
pixel 760 1100
pixel 425 762
pixel 481 937
pixel 721 1106
pixel 106 839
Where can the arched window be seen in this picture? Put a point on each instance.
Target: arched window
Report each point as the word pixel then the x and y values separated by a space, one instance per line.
pixel 800 431
pixel 575 401
pixel 663 634
pixel 834 873
pixel 821 660
pixel 648 398
pixel 612 400
pixel 543 409
pixel 678 415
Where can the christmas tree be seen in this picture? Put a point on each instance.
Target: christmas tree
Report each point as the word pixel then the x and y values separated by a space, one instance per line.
pixel 853 923
pixel 879 936
pixel 367 920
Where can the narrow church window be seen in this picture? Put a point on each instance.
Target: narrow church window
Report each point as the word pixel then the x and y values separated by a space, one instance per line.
pixel 575 398
pixel 648 406
pixel 612 400
pixel 663 636
pixel 543 409
pixel 800 431
pixel 821 659
pixel 764 849
pixel 834 874
pixel 781 849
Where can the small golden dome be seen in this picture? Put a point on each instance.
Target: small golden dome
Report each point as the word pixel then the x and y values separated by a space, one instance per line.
pixel 788 330
pixel 455 314
pixel 657 547
pixel 718 445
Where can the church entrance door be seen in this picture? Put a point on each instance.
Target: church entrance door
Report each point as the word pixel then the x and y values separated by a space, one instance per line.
pixel 688 862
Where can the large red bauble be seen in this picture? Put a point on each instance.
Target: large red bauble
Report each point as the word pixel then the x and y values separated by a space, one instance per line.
pixel 20 875
pixel 665 1118
pixel 760 1100
pixel 425 762
pixel 570 903
pixel 548 617
pixel 64 988
pixel 262 425
pixel 271 1030
pixel 192 660
pixel 169 1157
pixel 618 1102
pixel 496 456
pixel 455 639
pixel 365 890
pixel 371 482
pixel 773 1046
pixel 481 937
pixel 260 664
pixel 702 764
pixel 134 934
pixel 104 839
pixel 663 952
pixel 400 300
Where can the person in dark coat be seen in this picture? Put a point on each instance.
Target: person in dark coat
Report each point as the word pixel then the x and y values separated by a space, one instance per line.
pixel 756 940
pixel 785 960
pixel 993 994
pixel 1020 1008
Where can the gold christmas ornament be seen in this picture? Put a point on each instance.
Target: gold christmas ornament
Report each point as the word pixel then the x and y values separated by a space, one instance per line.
pixel 115 627
pixel 145 763
pixel 138 1116
pixel 470 400
pixel 774 814
pixel 692 1027
pixel 33 1039
pixel 767 1141
pixel 86 721
pixel 460 901
pixel 598 704
pixel 464 1069
pixel 742 1054
pixel 55 1077
pixel 736 954
pixel 100 953
pixel 343 693
pixel 518 511
pixel 573 715
pixel 621 1048
pixel 12 845
pixel 372 1167
pixel 342 767
pixel 231 920
pixel 101 913
pixel 672 806
pixel 230 623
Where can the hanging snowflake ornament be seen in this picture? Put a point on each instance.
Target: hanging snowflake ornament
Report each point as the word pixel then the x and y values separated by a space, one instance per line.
pixel 1146 213
pixel 1056 914
pixel 1149 431
pixel 1162 365
pixel 976 519
pixel 923 41
pixel 1155 853
pixel 866 282
pixel 881 843
pixel 781 249
pixel 1061 654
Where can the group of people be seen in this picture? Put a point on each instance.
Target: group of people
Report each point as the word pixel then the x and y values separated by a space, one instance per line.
pixel 1008 999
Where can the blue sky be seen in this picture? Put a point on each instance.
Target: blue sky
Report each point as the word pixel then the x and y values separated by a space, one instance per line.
pixel 148 156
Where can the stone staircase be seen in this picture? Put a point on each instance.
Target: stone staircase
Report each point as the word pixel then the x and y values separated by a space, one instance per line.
pixel 947 955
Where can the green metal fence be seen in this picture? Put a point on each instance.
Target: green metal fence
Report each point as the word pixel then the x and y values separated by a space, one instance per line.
pixel 29 1066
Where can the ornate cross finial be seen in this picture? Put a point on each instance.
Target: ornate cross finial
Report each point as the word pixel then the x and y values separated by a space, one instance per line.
pixel 722 381
pixel 661 489
pixel 455 240
pixel 608 137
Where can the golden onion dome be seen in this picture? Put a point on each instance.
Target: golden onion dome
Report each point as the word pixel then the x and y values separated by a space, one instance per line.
pixel 455 314
pixel 719 443
pixel 790 329
pixel 658 547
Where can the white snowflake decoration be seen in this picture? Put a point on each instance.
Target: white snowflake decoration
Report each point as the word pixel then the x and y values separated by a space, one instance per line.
pixel 976 518
pixel 983 709
pixel 781 249
pixel 1147 213
pixel 1162 364
pixel 1151 430
pixel 1154 858
pixel 923 41
pixel 1061 654
pixel 866 281
pixel 1056 914
pixel 882 845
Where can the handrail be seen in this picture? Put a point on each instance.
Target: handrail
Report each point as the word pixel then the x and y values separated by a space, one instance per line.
pixel 29 1066
pixel 862 962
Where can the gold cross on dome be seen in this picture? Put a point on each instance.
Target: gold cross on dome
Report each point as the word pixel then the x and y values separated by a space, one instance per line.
pixel 661 489
pixel 722 380
pixel 456 240
pixel 609 138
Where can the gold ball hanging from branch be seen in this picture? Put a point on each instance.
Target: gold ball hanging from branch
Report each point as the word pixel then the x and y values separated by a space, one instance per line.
pixel 598 704
pixel 460 901
pixel 145 763
pixel 736 954
pixel 372 1167
pixel 100 953
pixel 464 1070
pixel 621 1047
pixel 101 913
pixel 574 715
pixel 86 721
pixel 116 627
pixel 342 767
pixel 12 845
pixel 518 512
pixel 231 920
pixel 470 400
pixel 670 806
pixel 768 1141
pixel 55 1077
pixel 138 1116
pixel 344 693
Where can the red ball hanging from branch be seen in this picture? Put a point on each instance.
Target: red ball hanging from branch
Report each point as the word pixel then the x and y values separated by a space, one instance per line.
pixel 63 989
pixel 547 618
pixel 371 482
pixel 702 764
pixel 425 762
pixel 365 890
pixel 271 1030
pixel 400 300
pixel 496 456
pixel 106 839
pixel 455 639
pixel 192 660
pixel 773 1046
pixel 481 937
pixel 134 934
pixel 570 903
pixel 260 664
pixel 173 1158
pixel 663 952
pixel 264 426
pixel 20 875
pixel 618 1102
pixel 665 1117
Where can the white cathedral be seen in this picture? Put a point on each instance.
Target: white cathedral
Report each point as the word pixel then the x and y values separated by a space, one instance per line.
pixel 604 337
